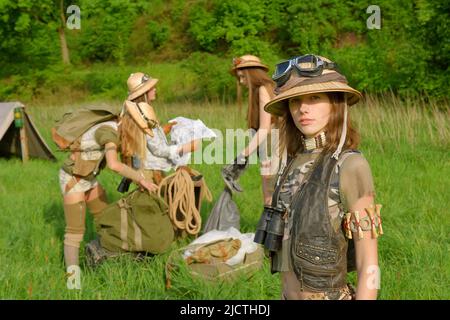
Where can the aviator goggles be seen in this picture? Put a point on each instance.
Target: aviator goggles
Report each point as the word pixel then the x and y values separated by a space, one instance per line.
pixel 307 66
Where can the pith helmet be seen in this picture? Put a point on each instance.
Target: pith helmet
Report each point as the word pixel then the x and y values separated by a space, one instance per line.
pixel 138 84
pixel 247 61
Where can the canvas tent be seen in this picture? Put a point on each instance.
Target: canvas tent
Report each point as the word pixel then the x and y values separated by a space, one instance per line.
pixel 23 142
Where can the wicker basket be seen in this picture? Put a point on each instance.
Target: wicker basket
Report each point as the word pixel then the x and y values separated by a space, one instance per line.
pixel 216 271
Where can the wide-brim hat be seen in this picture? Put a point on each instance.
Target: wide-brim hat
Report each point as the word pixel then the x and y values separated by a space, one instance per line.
pixel 329 81
pixel 143 114
pixel 247 61
pixel 138 84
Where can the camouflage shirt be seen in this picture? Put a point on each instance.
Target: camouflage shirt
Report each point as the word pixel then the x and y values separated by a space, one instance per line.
pixel 355 179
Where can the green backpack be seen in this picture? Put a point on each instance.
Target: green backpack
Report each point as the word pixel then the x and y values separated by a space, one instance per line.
pixel 139 222
pixel 73 124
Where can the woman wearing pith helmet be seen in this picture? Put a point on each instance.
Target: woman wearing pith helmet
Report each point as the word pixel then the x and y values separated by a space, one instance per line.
pixel 144 145
pixel 252 73
pixel 145 138
pixel 141 133
pixel 323 208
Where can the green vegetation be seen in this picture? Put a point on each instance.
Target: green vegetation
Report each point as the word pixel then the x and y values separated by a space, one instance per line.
pixel 409 55
pixel 406 144
pixel 402 68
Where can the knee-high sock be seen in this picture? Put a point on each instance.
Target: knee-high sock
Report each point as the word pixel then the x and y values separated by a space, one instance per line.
pixel 75 215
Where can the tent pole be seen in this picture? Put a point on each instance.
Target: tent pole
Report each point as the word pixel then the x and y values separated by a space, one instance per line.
pixel 24 145
pixel 24 141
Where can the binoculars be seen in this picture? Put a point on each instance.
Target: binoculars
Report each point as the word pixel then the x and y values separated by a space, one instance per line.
pixel 270 229
pixel 124 185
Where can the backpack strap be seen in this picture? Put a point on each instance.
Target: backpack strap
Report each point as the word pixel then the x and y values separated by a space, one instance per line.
pixel 99 162
pixel 126 211
pixel 124 207
pixel 281 179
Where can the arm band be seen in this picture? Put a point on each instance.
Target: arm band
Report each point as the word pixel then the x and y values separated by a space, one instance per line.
pixel 354 223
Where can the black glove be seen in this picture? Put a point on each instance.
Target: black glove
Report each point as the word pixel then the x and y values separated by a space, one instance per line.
pixel 241 161
pixel 233 171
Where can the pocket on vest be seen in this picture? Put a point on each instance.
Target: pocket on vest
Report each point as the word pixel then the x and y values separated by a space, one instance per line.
pixel 315 254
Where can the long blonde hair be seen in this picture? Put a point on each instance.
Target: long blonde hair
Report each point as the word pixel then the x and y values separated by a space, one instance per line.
pixel 132 139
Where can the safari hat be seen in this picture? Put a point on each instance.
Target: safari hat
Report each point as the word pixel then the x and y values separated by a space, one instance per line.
pixel 138 84
pixel 247 61
pixel 328 81
pixel 143 114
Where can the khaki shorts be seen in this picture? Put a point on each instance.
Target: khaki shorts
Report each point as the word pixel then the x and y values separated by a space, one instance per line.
pixel 81 186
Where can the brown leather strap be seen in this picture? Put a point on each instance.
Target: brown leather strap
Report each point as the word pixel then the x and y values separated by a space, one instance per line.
pixel 123 223
pixel 137 236
pixel 72 182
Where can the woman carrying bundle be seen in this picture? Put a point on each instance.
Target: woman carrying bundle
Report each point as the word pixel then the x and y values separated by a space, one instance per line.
pixel 143 135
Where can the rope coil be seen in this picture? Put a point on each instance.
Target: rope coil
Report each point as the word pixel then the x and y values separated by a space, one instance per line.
pixel 178 192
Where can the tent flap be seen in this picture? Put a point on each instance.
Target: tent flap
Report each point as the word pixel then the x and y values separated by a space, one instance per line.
pixel 10 135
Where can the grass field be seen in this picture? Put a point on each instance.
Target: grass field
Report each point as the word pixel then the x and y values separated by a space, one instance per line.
pixel 407 144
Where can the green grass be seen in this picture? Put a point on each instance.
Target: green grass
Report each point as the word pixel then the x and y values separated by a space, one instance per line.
pixel 406 143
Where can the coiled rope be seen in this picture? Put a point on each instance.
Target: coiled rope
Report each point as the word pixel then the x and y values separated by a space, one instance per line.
pixel 178 189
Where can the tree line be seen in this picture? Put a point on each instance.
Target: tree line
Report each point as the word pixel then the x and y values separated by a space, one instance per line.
pixel 408 53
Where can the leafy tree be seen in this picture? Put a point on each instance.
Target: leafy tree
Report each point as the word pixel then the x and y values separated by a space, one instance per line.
pixel 107 28
pixel 28 29
pixel 409 54
pixel 230 24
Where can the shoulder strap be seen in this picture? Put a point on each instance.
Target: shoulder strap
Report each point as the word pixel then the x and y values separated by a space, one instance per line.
pixel 281 179
pixel 143 114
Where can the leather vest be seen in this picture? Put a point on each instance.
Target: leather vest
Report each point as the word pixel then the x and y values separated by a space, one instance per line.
pixel 319 254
